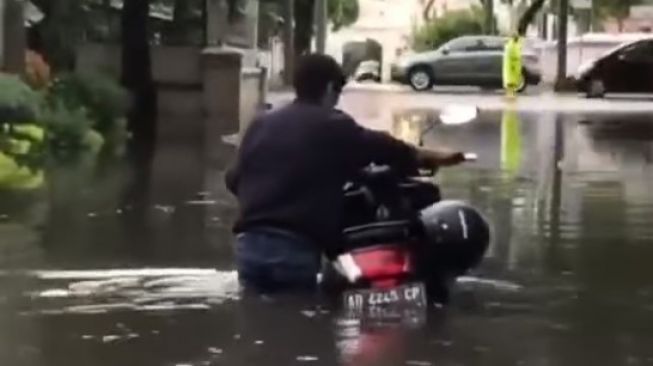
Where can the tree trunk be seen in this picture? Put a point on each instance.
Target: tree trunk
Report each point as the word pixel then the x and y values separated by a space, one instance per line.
pixel 322 25
pixel 304 16
pixel 288 41
pixel 15 37
pixel 137 75
pixel 489 16
pixel 528 16
pixel 60 32
pixel 563 18
pixel 180 22
pixel 427 11
pixel 3 32
pixel 106 8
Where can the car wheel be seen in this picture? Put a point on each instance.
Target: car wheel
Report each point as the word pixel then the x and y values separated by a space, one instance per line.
pixel 523 85
pixel 420 79
pixel 595 88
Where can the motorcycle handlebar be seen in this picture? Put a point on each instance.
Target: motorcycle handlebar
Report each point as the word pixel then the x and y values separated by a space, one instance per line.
pixel 373 171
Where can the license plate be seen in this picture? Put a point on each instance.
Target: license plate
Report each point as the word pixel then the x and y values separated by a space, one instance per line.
pixel 410 295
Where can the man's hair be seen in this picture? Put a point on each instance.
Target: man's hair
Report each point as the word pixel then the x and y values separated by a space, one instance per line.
pixel 312 75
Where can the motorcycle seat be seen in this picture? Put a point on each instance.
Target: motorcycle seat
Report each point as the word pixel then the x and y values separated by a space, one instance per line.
pixel 378 232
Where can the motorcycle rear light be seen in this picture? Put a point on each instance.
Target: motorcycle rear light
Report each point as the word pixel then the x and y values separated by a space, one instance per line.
pixel 382 265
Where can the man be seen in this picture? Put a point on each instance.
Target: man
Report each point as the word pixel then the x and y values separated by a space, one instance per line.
pixel 289 174
pixel 512 67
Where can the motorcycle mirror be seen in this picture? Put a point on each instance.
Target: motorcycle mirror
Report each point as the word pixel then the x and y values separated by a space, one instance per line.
pixel 471 157
pixel 452 115
pixel 458 114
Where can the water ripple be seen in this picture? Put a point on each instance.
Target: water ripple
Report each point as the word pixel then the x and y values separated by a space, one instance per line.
pixel 159 289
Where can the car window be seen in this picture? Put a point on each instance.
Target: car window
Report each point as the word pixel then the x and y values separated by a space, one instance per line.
pixel 640 51
pixel 493 43
pixel 462 44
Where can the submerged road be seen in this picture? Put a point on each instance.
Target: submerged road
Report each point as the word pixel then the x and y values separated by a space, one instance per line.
pixel 369 101
pixel 103 268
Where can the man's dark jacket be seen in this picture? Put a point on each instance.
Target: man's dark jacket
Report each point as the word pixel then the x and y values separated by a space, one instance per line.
pixel 292 165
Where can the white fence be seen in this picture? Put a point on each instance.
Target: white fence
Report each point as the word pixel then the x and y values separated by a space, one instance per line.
pixel 581 49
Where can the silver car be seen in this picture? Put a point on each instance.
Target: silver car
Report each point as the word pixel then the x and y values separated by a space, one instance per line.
pixel 468 60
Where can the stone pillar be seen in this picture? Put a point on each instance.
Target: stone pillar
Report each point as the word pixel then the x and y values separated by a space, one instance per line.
pixel 221 83
pixel 221 78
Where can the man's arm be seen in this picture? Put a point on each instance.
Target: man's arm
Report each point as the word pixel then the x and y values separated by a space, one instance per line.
pixel 433 158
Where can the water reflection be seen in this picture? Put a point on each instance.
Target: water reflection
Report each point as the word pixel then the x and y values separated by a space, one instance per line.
pixel 566 281
pixel 568 219
pixel 510 141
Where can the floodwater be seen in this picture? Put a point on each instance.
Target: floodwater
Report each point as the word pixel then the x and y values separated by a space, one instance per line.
pixel 131 264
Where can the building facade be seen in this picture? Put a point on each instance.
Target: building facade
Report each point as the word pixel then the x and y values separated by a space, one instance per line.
pixel 389 23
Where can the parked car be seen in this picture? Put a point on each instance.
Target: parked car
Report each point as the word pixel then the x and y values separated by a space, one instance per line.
pixel 468 60
pixel 369 70
pixel 627 68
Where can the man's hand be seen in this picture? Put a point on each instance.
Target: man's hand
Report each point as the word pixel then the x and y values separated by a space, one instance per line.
pixel 438 158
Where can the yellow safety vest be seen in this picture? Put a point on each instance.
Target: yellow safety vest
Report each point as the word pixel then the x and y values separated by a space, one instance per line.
pixel 512 64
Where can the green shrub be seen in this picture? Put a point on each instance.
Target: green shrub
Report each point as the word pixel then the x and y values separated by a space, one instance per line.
pixel 77 113
pixel 445 28
pixel 18 102
pixel 23 143
pixel 104 99
pixel 69 128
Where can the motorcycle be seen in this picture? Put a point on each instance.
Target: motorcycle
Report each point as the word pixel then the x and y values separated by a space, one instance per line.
pixel 403 245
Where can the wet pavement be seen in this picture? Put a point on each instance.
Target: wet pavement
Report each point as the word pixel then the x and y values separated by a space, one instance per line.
pixel 118 263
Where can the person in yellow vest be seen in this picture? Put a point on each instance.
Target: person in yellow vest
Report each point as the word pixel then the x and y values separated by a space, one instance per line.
pixel 512 65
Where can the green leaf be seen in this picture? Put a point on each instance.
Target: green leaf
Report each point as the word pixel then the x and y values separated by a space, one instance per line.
pixel 342 13
pixel 443 29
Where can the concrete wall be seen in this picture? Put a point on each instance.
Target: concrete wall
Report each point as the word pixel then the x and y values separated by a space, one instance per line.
pixel 388 22
pixel 94 57
pixel 580 50
pixel 630 25
pixel 170 65
pixel 577 54
pixel 392 42
pixel 179 73
pixel 177 65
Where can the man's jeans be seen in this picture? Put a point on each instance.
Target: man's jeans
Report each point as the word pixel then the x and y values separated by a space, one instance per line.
pixel 271 262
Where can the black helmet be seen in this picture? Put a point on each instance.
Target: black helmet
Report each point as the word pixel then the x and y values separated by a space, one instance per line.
pixel 457 237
